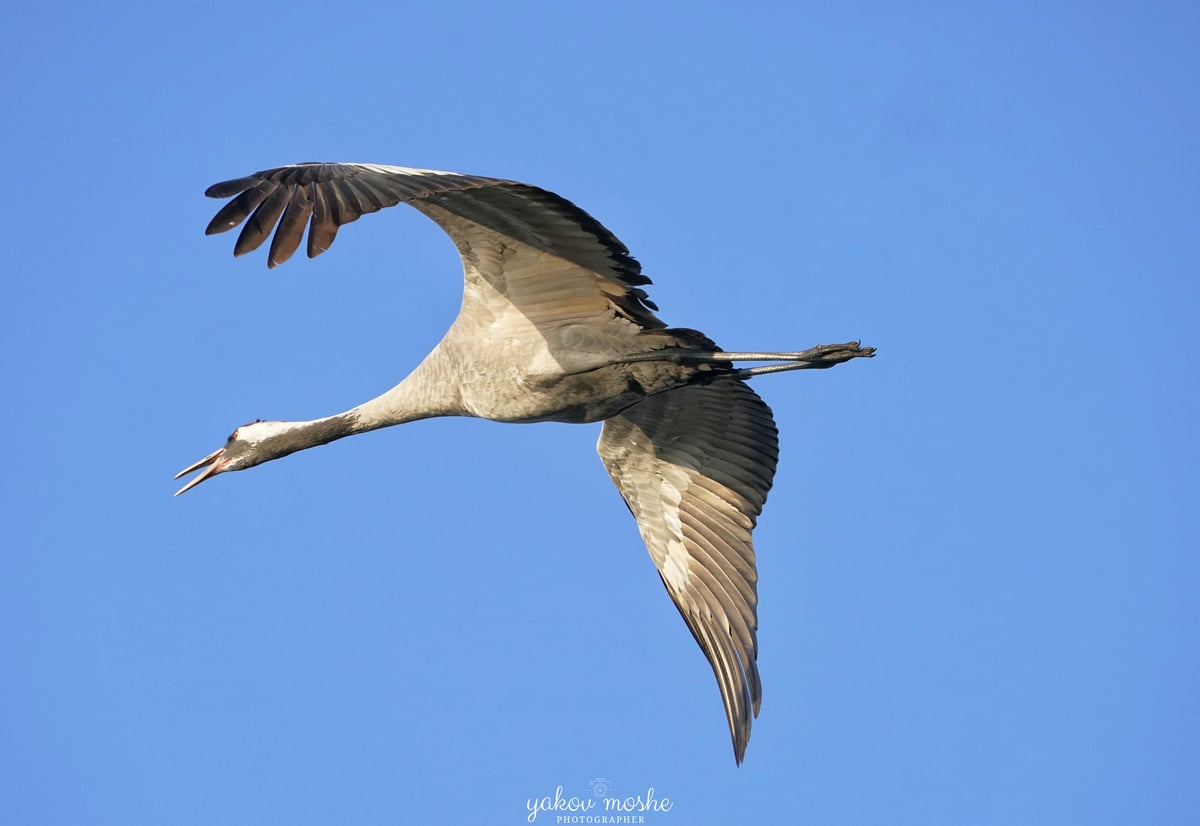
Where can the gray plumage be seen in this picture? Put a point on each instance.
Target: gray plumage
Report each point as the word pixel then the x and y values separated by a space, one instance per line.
pixel 555 326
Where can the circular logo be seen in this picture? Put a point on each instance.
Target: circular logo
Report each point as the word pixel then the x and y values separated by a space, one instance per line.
pixel 600 786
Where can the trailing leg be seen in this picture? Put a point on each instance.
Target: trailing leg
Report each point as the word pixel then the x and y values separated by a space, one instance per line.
pixel 814 358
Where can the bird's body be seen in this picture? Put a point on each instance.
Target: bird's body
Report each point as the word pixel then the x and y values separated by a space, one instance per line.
pixel 555 326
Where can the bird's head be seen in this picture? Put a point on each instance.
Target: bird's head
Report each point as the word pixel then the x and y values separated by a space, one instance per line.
pixel 249 445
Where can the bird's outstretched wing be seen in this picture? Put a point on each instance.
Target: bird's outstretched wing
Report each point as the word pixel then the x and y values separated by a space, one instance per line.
pixel 523 248
pixel 694 465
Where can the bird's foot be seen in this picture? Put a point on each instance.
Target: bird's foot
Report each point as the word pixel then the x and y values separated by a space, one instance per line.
pixel 827 355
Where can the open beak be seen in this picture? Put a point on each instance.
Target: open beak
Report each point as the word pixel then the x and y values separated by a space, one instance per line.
pixel 211 465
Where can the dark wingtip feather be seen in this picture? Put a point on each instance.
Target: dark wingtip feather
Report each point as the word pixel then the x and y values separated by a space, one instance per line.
pixel 234 212
pixel 319 242
pixel 291 227
pixel 227 189
pixel 259 225
pixel 322 228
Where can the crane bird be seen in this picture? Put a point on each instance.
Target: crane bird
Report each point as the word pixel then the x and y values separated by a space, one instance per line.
pixel 555 326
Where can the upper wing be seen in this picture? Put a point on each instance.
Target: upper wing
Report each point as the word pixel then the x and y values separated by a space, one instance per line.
pixel 694 465
pixel 529 256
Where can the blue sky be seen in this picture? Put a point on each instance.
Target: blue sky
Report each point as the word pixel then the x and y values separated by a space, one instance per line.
pixel 978 564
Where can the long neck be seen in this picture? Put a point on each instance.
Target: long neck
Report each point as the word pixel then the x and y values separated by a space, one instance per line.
pixel 427 392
